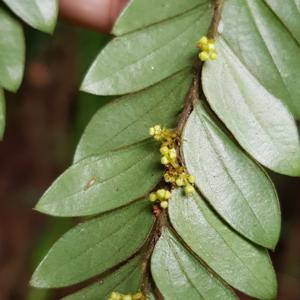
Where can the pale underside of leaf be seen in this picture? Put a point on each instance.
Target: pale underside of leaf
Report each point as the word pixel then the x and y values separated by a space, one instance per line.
pixel 127 120
pixel 133 17
pixel 266 47
pixel 179 275
pixel 124 280
pixel 239 262
pixel 95 246
pixel 289 14
pixel 41 15
pixel 260 122
pixel 134 61
pixel 12 51
pixel 2 113
pixel 237 187
pixel 101 183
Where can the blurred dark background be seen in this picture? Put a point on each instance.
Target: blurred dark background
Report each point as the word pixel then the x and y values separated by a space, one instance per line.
pixel 44 122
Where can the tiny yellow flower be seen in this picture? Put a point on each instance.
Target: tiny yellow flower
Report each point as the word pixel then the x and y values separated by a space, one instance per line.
pixel 189 189
pixel 203 56
pixel 172 153
pixel 167 195
pixel 152 197
pixel 127 297
pixel 137 296
pixel 179 181
pixel 164 150
pixel 161 193
pixel 213 56
pixel 164 160
pixel 191 179
pixel 164 204
pixel 151 131
pixel 203 41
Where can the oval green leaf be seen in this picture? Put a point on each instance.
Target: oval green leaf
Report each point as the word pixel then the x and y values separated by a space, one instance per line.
pixel 265 46
pixel 101 183
pixel 41 15
pixel 12 52
pixel 2 113
pixel 179 275
pixel 260 122
pixel 239 190
pixel 133 16
pixel 134 61
pixel 128 119
pixel 243 265
pixel 125 280
pixel 95 246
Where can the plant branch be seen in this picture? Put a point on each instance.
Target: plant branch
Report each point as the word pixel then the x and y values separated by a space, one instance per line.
pixel 193 93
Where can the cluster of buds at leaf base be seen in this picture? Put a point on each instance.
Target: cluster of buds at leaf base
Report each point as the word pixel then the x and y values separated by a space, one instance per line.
pixel 175 174
pixel 119 296
pixel 207 47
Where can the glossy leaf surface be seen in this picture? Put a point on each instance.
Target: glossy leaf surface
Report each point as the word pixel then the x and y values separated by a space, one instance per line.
pixel 134 61
pixel 179 275
pixel 259 121
pixel 127 120
pixel 242 264
pixel 235 185
pixel 39 14
pixel 125 280
pixel 133 16
pixel 12 51
pixel 94 246
pixel 101 183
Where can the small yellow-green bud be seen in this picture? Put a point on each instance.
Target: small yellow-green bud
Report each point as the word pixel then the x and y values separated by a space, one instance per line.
pixel 213 56
pixel 152 197
pixel 172 153
pixel 164 160
pixel 179 182
pixel 167 177
pixel 161 193
pixel 189 189
pixel 127 297
pixel 151 131
pixel 191 179
pixel 157 128
pixel 164 150
pixel 137 296
pixel 167 195
pixel 164 204
pixel 203 56
pixel 203 41
pixel 211 46
pixel 115 296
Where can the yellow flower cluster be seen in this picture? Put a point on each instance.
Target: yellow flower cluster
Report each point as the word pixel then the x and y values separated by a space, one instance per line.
pixel 162 196
pixel 207 47
pixel 119 296
pixel 174 173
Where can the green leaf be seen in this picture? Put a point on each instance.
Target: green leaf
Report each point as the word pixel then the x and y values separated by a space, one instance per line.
pixel 125 280
pixel 128 119
pixel 265 46
pixel 94 246
pixel 239 190
pixel 134 61
pixel 179 275
pixel 289 15
pixel 2 113
pixel 259 121
pixel 12 52
pixel 41 15
pixel 243 265
pixel 101 183
pixel 133 16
